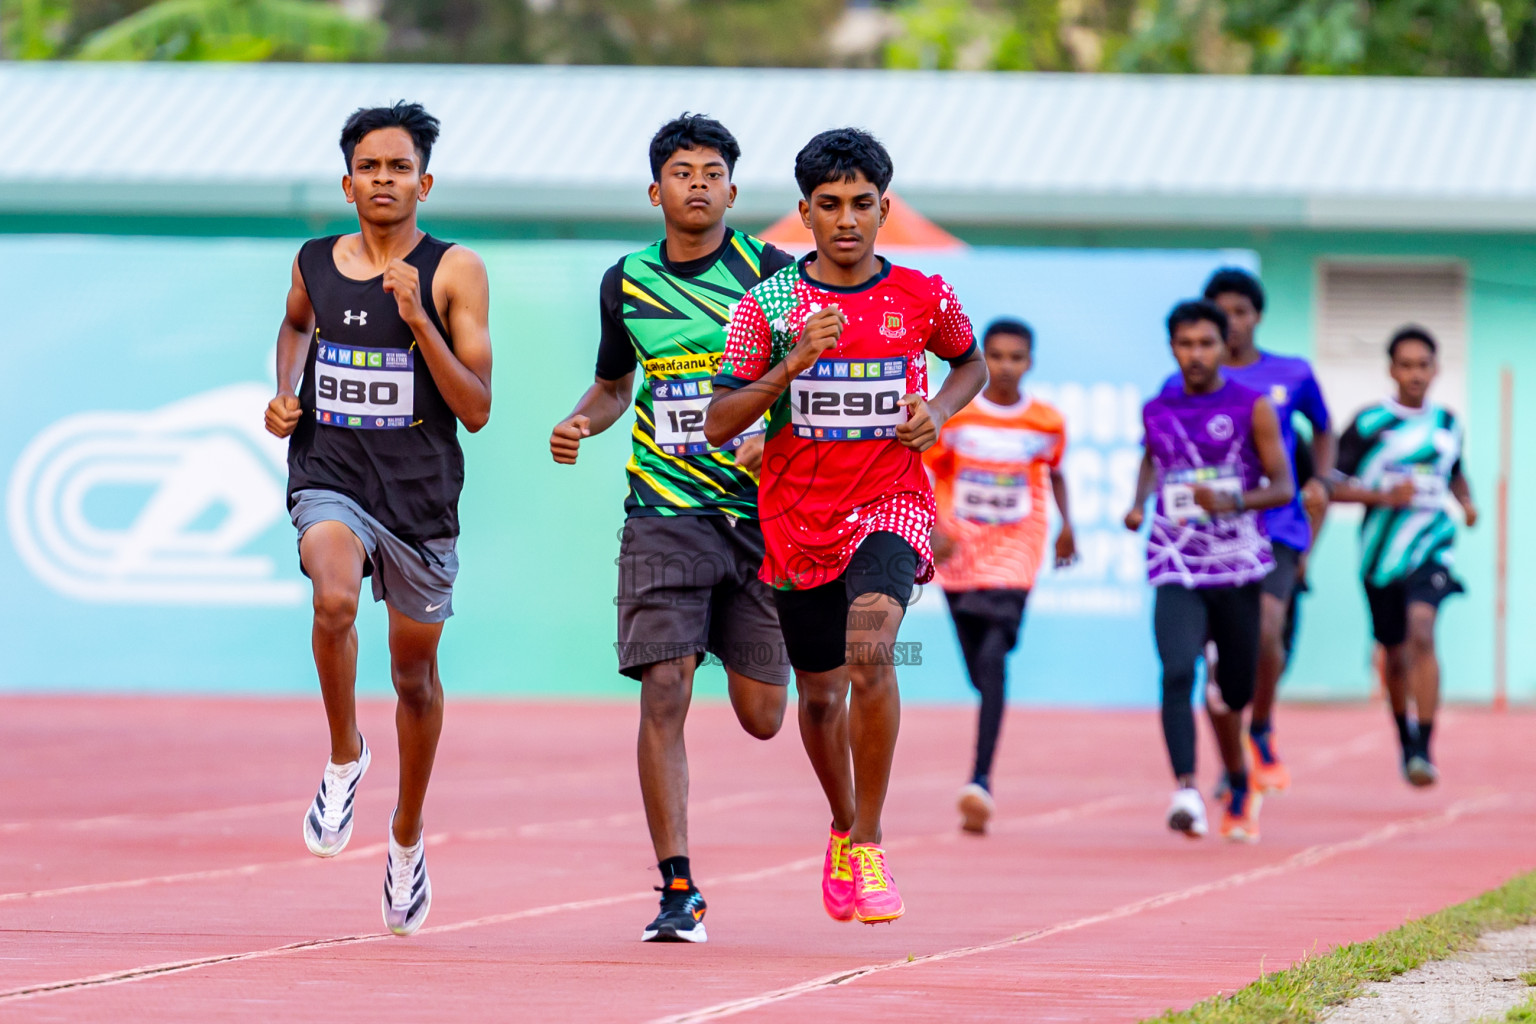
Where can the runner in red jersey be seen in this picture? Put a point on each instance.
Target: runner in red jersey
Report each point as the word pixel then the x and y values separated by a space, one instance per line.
pixel 833 350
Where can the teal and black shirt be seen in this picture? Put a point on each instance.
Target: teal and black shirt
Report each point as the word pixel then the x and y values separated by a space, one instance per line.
pixel 670 318
pixel 1386 444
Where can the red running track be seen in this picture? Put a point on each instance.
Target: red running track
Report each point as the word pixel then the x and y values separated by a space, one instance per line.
pixel 151 868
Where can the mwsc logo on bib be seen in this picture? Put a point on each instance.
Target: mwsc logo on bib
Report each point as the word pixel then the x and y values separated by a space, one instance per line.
pixel 159 507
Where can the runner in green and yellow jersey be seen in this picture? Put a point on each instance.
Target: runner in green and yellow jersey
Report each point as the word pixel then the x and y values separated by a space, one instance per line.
pixel 691 547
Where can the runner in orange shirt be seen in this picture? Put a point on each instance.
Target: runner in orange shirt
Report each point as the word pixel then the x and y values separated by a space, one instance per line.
pixel 991 467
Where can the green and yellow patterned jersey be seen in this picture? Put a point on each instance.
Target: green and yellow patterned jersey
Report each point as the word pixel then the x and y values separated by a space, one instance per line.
pixel 1386 444
pixel 671 318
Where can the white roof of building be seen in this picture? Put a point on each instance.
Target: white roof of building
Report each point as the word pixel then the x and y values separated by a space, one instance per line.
pixel 1015 149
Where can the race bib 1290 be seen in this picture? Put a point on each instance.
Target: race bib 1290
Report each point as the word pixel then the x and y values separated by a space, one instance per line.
pixel 364 388
pixel 849 399
pixel 983 496
pixel 679 407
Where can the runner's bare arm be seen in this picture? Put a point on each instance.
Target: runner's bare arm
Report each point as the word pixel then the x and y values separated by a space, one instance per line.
pixel 283 411
pixel 462 373
pixel 927 418
pixel 1066 540
pixel 1315 492
pixel 1281 487
pixel 1350 489
pixel 599 408
pixel 1462 490
pixel 1146 480
pixel 732 410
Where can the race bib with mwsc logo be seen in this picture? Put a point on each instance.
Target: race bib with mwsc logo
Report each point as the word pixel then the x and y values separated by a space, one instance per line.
pixel 679 407
pixel 849 399
pixel 1179 491
pixel 364 388
pixel 983 496
pixel 1429 487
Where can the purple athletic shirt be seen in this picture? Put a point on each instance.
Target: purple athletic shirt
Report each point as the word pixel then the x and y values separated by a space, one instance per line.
pixel 1203 439
pixel 1288 383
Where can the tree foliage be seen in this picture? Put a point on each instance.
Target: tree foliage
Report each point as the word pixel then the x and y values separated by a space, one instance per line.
pixel 1471 38
pixel 235 30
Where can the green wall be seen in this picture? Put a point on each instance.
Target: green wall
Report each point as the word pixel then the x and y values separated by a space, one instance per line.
pixel 1333 656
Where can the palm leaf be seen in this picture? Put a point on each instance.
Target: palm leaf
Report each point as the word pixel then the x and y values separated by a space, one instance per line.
pixel 236 30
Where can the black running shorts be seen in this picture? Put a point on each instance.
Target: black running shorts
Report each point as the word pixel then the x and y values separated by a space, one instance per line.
pixel 687 585
pixel 1429 584
pixel 815 621
pixel 1281 581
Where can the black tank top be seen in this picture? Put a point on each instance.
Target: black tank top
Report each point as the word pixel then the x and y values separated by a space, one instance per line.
pixel 375 427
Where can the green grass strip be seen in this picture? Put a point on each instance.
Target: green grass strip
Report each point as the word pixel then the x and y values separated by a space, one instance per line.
pixel 1299 993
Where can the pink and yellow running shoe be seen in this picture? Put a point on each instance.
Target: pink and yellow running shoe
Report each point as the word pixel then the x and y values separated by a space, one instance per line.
pixel 875 898
pixel 837 878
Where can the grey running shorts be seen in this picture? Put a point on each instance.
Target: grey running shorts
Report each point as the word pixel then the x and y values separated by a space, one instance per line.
pixel 687 585
pixel 415 580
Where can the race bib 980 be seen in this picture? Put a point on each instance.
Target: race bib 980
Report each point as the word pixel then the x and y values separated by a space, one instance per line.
pixel 982 496
pixel 364 388
pixel 1179 491
pixel 679 407
pixel 849 399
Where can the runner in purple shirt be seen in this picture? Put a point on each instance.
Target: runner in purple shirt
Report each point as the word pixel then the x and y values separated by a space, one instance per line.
pixel 1291 388
pixel 1214 458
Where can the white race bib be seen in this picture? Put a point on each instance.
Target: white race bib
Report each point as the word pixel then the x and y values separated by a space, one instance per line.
pixel 1429 487
pixel 1179 492
pixel 364 388
pixel 679 407
pixel 849 399
pixel 982 496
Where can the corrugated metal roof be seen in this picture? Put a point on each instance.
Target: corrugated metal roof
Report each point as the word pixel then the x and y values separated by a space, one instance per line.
pixel 969 148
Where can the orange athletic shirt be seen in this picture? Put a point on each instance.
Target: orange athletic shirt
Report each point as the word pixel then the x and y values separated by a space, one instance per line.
pixel 991 467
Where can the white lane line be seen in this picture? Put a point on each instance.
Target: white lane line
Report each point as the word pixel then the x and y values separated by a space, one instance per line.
pixel 529 831
pixel 481 787
pixel 435 839
pixel 1042 819
pixel 1304 859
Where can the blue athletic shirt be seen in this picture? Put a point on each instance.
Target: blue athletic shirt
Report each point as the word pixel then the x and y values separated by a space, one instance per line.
pixel 1288 383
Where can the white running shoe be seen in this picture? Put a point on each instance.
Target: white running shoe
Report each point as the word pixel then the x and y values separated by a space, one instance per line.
pixel 328 822
pixel 407 890
pixel 976 808
pixel 1186 812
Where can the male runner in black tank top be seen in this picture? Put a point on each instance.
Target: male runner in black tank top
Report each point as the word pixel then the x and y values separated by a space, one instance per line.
pixel 383 351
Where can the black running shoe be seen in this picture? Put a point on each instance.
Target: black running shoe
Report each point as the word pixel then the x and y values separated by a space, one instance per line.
pixel 682 915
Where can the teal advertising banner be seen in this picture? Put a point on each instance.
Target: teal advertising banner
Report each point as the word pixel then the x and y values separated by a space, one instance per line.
pixel 149 548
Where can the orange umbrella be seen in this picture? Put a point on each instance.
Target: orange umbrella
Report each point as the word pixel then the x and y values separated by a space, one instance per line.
pixel 904 228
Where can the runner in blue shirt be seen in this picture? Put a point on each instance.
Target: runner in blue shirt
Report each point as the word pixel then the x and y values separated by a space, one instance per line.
pixel 1291 387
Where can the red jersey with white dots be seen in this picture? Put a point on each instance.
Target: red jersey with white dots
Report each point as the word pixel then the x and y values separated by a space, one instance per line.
pixel 833 471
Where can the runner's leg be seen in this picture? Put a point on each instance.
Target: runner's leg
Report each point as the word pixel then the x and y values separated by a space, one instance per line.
pixel 1179 626
pixel 1235 627
pixel 823 717
pixel 1423 667
pixel 334 559
pixel 1272 616
pixel 874 707
pixel 759 706
pixel 418 715
pixel 666 690
pixel 988 663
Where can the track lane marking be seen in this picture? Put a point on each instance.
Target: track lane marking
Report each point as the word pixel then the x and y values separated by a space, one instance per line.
pixel 1303 859
pixel 531 831
pixel 1041 819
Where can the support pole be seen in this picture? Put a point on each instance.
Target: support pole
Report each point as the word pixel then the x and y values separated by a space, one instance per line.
pixel 1501 543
